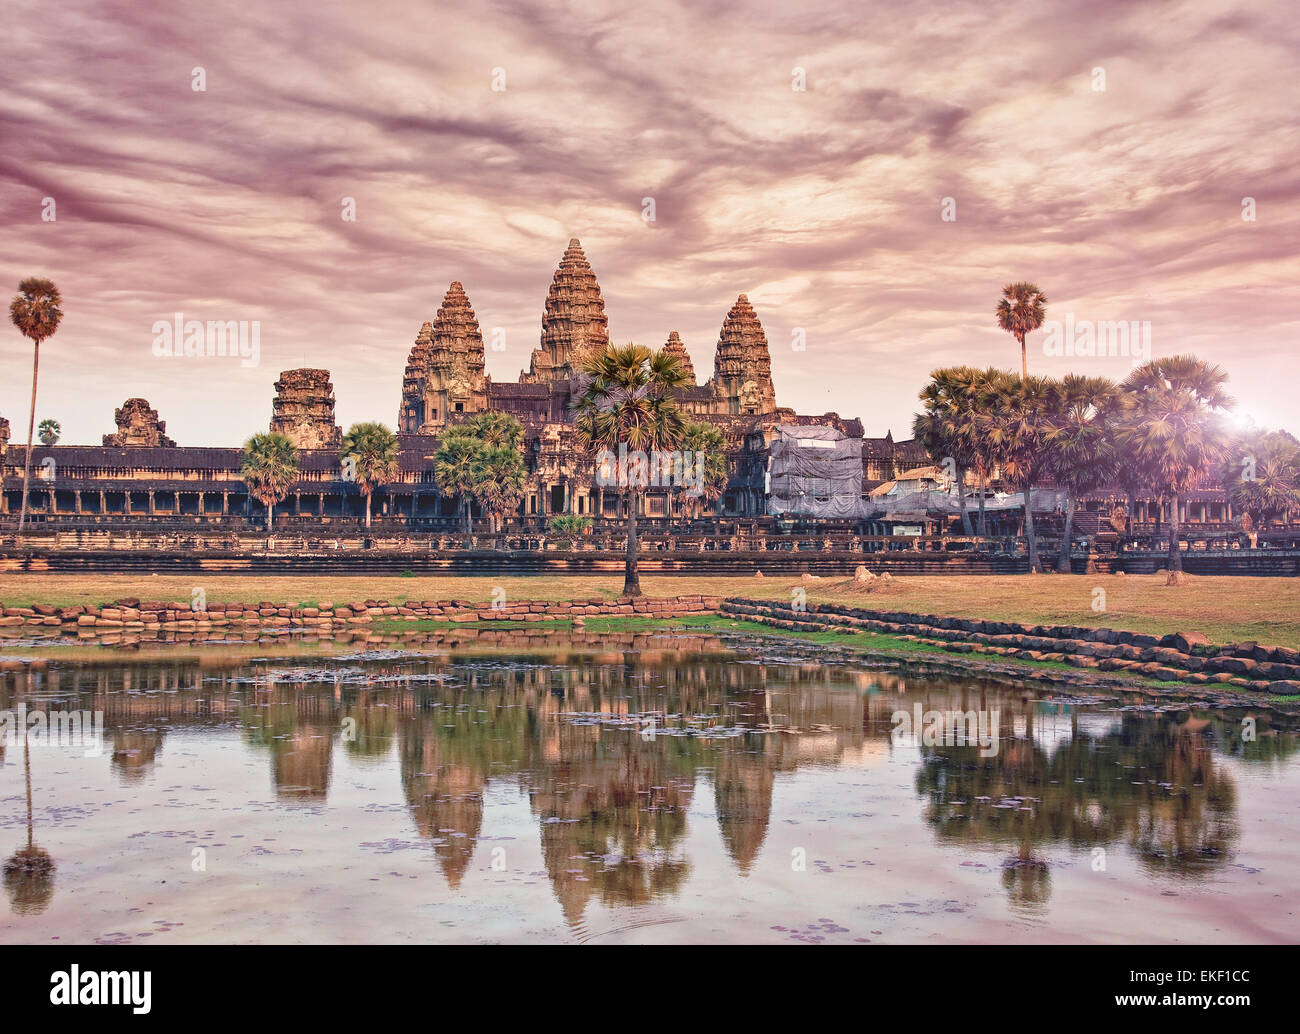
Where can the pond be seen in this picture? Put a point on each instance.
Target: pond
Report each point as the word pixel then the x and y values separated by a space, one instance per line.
pixel 627 788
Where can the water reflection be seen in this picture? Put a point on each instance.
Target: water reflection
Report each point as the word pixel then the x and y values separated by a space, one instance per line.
pixel 621 743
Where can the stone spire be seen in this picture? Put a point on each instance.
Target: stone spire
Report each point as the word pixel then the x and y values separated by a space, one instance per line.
pixel 675 348
pixel 304 409
pixel 574 324
pixel 742 367
pixel 445 371
pixel 4 437
pixel 138 424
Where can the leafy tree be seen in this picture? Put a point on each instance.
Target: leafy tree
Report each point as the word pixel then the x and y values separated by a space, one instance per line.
pixel 453 469
pixel 370 455
pixel 705 442
pixel 626 398
pixel 270 467
pixel 36 312
pixel 499 475
pixel 1017 417
pixel 1081 454
pixel 1171 429
pixel 1020 312
pixel 1261 473
pixel 568 526
pixel 50 431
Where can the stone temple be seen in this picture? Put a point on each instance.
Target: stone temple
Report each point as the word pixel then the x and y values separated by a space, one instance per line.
pixel 139 470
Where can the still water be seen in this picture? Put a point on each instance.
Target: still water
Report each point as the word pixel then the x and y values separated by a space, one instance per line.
pixel 631 788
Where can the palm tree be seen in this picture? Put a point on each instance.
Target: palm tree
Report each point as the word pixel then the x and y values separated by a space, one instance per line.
pixel 453 469
pixel 942 427
pixel 705 442
pixel 1171 428
pixel 269 468
pixel 370 453
pixel 495 429
pixel 1021 311
pixel 626 399
pixel 50 431
pixel 1081 454
pixel 35 312
pixel 1262 476
pixel 498 474
pixel 1018 414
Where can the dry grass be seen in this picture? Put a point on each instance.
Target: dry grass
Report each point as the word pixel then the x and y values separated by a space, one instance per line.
pixel 1224 608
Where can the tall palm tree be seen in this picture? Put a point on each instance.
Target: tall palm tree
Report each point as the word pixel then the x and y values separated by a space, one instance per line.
pixel 1262 476
pixel 50 431
pixel 1018 414
pixel 626 398
pixel 269 468
pixel 370 449
pixel 1081 455
pixel 453 469
pixel 1021 311
pixel 499 474
pixel 704 440
pixel 36 313
pixel 1172 428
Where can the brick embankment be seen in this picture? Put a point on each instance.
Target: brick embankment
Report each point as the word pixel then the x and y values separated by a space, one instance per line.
pixel 1180 657
pixel 136 615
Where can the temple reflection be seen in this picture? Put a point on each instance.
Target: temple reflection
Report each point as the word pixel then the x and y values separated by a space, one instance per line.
pixel 608 739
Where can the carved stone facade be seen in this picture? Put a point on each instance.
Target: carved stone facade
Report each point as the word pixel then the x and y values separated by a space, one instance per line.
pixel 444 372
pixel 304 409
pixel 574 324
pixel 674 347
pixel 742 366
pixel 138 424
pixel 138 472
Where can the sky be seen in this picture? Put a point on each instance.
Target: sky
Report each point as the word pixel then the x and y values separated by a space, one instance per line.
pixel 869 174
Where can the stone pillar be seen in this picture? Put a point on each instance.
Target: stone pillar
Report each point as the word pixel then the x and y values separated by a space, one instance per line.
pixel 225 503
pixel 151 501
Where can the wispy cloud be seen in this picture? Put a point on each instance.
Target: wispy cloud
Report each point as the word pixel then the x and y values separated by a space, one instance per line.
pixel 822 204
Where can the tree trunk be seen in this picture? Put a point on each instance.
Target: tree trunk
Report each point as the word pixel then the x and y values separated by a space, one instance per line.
pixel 1024 358
pixel 27 765
pixel 367 511
pixel 464 502
pixel 31 433
pixel 984 520
pixel 1029 530
pixel 270 517
pixel 966 529
pixel 1175 554
pixel 1063 560
pixel 631 579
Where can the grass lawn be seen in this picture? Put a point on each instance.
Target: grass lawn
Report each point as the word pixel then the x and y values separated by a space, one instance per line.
pixel 1224 608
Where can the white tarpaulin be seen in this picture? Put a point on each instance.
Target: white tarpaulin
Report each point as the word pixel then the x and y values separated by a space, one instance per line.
pixel 815 471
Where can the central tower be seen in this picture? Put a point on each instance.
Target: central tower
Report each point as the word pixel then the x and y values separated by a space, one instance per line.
pixel 574 324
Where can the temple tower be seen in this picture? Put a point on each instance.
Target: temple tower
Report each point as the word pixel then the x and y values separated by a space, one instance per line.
pixel 304 409
pixel 445 370
pixel 677 349
pixel 138 424
pixel 574 324
pixel 742 367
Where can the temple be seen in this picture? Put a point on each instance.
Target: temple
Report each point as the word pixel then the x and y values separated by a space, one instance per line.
pixel 139 474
